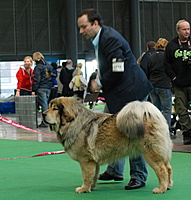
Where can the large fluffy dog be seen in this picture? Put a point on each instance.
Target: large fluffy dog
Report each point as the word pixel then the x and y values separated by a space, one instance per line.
pixel 94 139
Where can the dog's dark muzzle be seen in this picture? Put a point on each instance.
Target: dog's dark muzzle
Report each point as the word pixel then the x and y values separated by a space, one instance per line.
pixel 44 119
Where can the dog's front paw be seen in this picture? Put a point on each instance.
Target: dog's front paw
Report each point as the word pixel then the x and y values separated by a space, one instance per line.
pixel 82 190
pixel 158 190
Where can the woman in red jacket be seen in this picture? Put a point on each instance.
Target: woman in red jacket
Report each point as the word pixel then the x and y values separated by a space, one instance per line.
pixel 25 78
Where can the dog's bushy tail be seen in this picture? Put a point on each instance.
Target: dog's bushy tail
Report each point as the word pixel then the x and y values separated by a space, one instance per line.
pixel 132 118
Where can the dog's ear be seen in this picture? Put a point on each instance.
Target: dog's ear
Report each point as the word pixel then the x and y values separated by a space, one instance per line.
pixel 78 99
pixel 66 114
pixel 69 115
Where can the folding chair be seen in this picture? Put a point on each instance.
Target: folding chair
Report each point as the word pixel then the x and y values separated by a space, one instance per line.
pixel 91 97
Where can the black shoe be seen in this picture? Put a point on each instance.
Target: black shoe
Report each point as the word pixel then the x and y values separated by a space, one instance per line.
pixel 186 137
pixel 106 177
pixel 134 184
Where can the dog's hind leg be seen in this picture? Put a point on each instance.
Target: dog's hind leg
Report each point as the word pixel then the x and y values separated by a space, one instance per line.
pixel 160 169
pixel 162 174
pixel 88 173
pixel 170 181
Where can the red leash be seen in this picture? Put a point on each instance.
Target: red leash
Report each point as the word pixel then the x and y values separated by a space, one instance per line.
pixel 41 154
pixel 10 122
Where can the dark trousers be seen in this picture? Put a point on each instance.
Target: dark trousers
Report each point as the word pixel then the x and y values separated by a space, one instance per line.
pixel 182 99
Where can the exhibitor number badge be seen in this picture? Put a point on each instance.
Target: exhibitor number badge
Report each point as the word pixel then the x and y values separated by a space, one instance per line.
pixel 117 65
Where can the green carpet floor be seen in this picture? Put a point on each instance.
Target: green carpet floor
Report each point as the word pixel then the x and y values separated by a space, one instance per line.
pixel 55 177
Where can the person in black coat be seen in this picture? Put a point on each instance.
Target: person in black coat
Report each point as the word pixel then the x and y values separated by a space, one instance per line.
pixel 161 95
pixel 121 81
pixel 150 50
pixel 65 78
pixel 43 72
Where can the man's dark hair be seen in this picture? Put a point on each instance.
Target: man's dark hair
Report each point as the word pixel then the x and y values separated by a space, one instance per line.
pixel 92 15
pixel 150 45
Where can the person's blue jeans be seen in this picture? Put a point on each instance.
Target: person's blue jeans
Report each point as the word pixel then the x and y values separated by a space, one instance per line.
pixel 43 96
pixel 162 99
pixel 53 93
pixel 138 166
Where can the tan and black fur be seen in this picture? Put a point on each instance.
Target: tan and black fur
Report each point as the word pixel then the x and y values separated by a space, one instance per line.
pixel 94 139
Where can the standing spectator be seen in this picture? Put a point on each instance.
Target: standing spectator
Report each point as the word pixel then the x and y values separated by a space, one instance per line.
pixel 42 82
pixel 178 67
pixel 66 77
pixel 161 95
pixel 121 80
pixel 150 50
pixel 78 83
pixel 25 78
pixel 54 89
pixel 92 77
pixel 60 86
pixel 78 70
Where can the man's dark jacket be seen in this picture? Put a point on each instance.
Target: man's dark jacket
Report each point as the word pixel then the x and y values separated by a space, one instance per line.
pixel 119 88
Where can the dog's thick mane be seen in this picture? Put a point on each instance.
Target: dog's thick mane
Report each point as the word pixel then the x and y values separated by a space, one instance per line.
pixel 82 117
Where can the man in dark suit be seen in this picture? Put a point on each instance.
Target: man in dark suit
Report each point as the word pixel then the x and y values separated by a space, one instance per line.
pixel 121 80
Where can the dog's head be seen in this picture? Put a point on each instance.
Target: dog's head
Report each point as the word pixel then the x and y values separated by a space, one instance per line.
pixel 60 112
